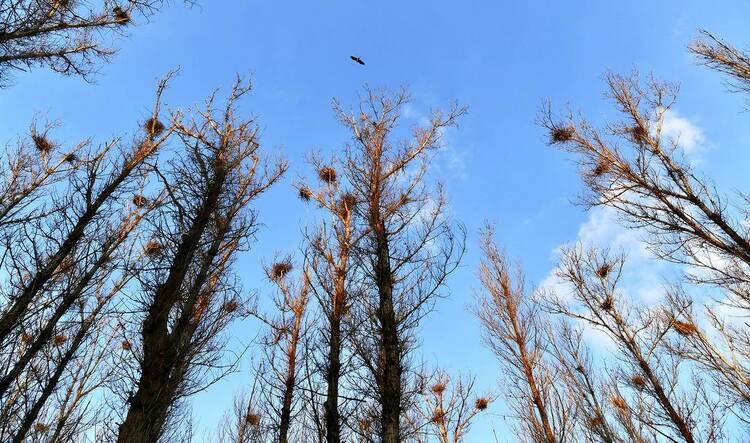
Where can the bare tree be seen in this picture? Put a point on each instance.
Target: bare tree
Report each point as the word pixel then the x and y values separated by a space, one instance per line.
pixel 448 408
pixel 285 350
pixel 592 392
pixel 93 195
pixel 73 226
pixel 721 56
pixel 634 168
pixel 515 330
pixel 637 333
pixel 410 246
pixel 65 36
pixel 332 265
pixel 188 293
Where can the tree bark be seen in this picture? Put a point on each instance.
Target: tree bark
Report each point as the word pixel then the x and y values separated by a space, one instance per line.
pixel 162 367
pixel 390 371
pixel 333 374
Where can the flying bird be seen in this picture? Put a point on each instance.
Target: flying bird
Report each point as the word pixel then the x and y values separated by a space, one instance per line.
pixel 357 59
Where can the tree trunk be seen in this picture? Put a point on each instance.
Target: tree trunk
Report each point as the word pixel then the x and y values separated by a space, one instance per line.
pixel 162 365
pixel 390 371
pixel 333 373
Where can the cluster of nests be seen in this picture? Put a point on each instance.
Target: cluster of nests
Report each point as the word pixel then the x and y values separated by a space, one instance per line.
pixel 565 133
pixel 638 134
pixel 480 404
pixel 44 145
pixel 328 175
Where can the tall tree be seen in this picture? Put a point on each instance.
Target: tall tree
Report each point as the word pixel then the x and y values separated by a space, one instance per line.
pixel 93 195
pixel 638 336
pixel 410 246
pixel 285 350
pixel 332 266
pixel 72 245
pixel 638 170
pixel 187 292
pixel 515 329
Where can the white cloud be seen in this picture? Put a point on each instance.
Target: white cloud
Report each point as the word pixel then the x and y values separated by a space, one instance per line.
pixel 689 137
pixel 642 279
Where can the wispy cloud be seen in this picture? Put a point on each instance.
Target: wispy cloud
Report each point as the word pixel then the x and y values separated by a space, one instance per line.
pixel 689 136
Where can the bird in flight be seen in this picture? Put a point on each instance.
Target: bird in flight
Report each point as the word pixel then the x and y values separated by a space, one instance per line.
pixel 357 59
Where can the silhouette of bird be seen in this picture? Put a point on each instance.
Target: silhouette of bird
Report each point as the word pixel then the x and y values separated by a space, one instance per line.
pixel 357 59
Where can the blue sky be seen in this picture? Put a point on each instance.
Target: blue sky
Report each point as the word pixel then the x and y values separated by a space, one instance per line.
pixel 499 58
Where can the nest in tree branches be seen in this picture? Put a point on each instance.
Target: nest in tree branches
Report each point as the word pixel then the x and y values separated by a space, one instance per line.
pixel 230 306
pixel 221 223
pixel 305 194
pixel 438 388
pixel 683 328
pixel 121 16
pixel 140 201
pixel 603 270
pixel 280 269
pixel 153 126
pixel 602 167
pixel 347 202
pixel 42 143
pixel 638 382
pixel 26 338
pixel 153 248
pixel 364 424
pixel 595 422
pixel 59 340
pixel 438 416
pixel 638 134
pixel 126 345
pixel 481 403
pixel 70 158
pixel 253 419
pixel 41 427
pixel 327 174
pixel 608 303
pixel 619 403
pixel 562 134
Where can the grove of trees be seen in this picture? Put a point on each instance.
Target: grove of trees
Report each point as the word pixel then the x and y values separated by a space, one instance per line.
pixel 120 278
